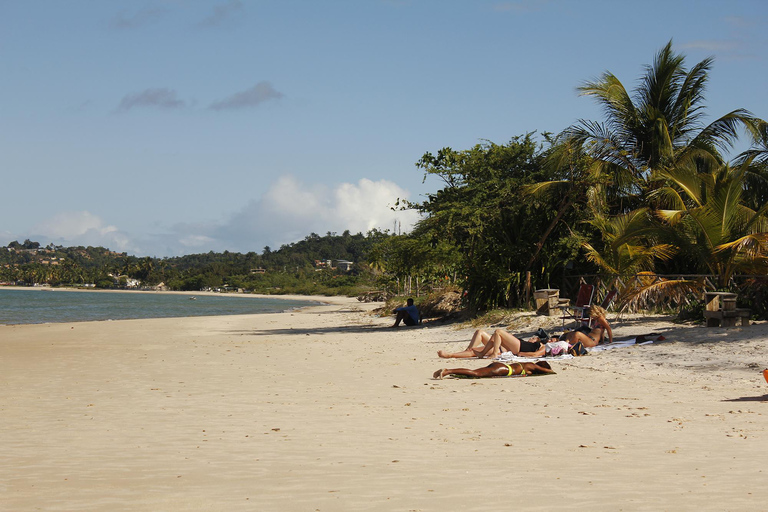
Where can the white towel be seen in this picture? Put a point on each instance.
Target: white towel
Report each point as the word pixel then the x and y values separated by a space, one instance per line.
pixel 506 357
pixel 618 344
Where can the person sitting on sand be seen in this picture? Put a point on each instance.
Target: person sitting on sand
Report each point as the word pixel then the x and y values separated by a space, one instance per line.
pixel 483 344
pixel 595 336
pixel 498 370
pixel 408 314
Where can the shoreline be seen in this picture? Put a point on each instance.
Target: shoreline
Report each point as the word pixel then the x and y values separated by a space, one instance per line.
pixel 170 292
pixel 290 305
pixel 328 408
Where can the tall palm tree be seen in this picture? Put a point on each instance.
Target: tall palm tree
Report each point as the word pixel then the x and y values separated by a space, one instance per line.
pixel 657 128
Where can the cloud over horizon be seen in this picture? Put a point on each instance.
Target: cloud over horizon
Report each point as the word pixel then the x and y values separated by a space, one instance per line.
pixel 287 212
pixel 75 228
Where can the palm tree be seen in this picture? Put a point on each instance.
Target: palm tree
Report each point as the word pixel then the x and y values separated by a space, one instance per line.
pixel 658 128
pixel 756 161
pixel 708 219
pixel 631 243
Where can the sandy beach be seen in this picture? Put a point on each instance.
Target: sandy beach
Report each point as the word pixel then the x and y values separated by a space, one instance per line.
pixel 328 409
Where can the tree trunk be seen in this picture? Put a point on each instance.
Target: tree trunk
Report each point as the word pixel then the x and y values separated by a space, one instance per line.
pixel 564 204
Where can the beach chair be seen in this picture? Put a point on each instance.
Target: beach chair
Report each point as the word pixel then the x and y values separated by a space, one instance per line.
pixel 607 301
pixel 583 301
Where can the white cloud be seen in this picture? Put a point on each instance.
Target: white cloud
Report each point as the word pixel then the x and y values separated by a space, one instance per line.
pixel 291 210
pixel 81 228
pixel 287 212
pixel 72 224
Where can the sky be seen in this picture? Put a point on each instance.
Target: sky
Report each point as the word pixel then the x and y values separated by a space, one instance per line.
pixel 171 127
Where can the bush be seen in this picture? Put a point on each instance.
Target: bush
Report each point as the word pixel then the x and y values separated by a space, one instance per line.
pixel 692 310
pixel 754 295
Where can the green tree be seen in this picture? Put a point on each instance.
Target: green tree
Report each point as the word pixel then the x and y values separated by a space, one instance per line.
pixel 656 129
pixel 707 218
pixel 485 213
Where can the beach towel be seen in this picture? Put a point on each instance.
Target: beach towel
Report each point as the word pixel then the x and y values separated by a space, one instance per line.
pixel 617 344
pixel 645 339
pixel 506 357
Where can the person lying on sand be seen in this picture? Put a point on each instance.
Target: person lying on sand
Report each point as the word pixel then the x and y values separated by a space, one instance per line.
pixel 595 336
pixel 498 370
pixel 483 344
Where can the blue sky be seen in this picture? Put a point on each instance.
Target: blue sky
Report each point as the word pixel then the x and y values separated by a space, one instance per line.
pixel 166 127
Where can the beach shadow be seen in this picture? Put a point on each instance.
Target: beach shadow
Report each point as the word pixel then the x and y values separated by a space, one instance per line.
pixel 763 398
pixel 357 329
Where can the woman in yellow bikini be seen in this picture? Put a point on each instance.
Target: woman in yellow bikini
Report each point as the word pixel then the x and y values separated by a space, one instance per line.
pixel 498 370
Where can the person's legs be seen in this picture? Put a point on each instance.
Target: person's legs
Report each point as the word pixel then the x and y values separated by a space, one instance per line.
pixel 503 339
pixel 405 317
pixel 479 340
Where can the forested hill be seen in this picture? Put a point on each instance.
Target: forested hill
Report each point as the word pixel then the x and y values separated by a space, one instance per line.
pixel 300 267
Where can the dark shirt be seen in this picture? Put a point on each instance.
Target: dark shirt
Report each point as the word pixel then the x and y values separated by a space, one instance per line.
pixel 530 346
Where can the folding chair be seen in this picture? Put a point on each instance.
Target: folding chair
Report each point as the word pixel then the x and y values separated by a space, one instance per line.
pixel 583 301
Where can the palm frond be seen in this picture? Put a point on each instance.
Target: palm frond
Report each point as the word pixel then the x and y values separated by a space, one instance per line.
pixel 652 292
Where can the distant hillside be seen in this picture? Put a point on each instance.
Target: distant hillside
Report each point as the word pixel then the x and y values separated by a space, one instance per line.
pixel 330 264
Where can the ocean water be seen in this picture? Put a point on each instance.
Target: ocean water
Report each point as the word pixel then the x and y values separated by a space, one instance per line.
pixel 36 306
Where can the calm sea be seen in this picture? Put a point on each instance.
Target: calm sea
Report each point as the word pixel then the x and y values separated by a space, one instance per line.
pixel 53 306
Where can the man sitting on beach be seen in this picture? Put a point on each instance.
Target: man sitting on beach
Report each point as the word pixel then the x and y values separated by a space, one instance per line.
pixel 408 314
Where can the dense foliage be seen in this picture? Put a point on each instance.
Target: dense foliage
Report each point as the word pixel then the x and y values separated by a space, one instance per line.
pixel 645 191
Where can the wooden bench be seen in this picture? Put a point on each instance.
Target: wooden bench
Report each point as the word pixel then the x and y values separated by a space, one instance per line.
pixel 721 310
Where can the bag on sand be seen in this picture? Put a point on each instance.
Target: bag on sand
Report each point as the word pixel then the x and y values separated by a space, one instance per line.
pixel 578 349
pixel 542 335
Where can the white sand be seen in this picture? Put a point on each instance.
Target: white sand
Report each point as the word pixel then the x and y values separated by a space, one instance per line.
pixel 328 409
